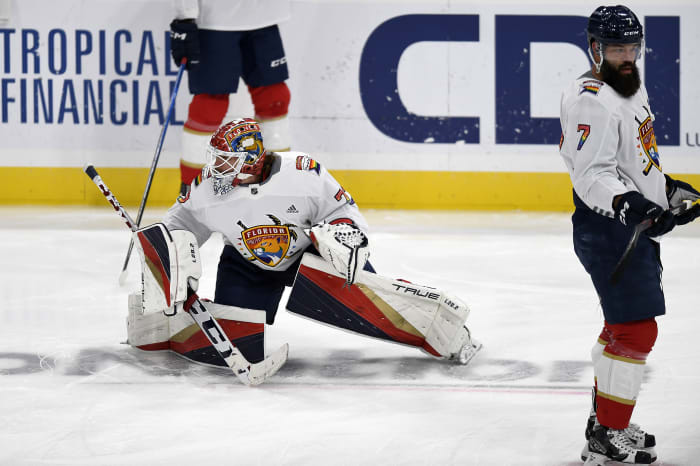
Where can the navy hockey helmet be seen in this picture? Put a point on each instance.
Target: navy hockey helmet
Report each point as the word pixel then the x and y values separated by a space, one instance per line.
pixel 614 25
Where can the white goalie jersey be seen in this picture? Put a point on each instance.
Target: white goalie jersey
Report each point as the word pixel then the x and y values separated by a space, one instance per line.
pixel 608 144
pixel 266 222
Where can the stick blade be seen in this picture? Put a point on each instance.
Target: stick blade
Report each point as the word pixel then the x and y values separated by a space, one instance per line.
pixel 260 371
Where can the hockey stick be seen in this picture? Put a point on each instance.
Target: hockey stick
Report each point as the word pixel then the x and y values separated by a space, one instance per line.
pixel 156 156
pixel 247 372
pixel 638 230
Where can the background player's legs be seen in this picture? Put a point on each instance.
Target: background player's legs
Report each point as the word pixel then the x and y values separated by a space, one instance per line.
pixel 629 308
pixel 619 370
pixel 271 105
pixel 206 112
pixel 211 82
pixel 264 71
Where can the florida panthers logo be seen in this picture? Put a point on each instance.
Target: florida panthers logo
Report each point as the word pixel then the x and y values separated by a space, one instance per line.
pixel 647 141
pixel 244 136
pixel 269 243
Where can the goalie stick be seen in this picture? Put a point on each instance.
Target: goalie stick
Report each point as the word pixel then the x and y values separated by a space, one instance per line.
pixel 156 156
pixel 638 230
pixel 247 372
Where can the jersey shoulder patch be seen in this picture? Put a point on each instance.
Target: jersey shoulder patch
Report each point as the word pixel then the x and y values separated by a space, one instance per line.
pixel 304 162
pixel 591 86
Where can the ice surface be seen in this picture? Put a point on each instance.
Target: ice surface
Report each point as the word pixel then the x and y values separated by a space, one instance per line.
pixel 71 394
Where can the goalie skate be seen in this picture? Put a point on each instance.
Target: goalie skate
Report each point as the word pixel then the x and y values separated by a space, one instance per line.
pixel 468 349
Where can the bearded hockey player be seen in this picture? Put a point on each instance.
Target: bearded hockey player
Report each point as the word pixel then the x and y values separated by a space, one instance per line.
pixel 270 208
pixel 224 41
pixel 610 150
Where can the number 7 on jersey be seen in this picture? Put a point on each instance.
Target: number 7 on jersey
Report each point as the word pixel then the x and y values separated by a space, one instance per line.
pixel 586 131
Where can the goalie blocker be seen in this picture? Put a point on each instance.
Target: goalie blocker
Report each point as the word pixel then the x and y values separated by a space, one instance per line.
pixel 391 310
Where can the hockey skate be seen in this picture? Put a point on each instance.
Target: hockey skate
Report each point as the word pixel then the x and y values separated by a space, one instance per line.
pixel 638 437
pixel 468 349
pixel 606 444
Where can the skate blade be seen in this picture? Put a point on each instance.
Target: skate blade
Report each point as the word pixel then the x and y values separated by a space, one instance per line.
pixel 585 453
pixel 596 459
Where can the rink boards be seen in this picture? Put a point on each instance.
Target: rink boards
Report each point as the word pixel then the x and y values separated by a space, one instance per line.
pixel 459 111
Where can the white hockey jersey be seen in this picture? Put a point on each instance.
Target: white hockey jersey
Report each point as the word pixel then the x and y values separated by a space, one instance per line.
pixel 233 15
pixel 608 144
pixel 265 222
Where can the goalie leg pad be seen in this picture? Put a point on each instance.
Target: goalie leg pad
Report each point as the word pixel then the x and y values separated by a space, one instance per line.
pixel 156 331
pixel 388 309
pixel 148 331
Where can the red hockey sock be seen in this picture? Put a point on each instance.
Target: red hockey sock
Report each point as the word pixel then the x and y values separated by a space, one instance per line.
pixel 189 172
pixel 206 112
pixel 619 371
pixel 270 101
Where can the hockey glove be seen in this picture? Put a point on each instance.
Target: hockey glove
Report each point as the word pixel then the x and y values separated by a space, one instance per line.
pixel 184 41
pixel 678 191
pixel 632 209
pixel 344 245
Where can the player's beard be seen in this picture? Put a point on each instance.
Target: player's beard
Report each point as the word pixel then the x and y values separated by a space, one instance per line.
pixel 625 84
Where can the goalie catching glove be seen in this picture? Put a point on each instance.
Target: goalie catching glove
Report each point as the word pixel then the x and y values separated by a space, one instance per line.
pixel 343 245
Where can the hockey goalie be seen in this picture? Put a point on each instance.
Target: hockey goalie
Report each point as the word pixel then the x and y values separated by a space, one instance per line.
pixel 285 221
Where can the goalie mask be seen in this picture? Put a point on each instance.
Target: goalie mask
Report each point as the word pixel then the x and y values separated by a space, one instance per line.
pixel 235 152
